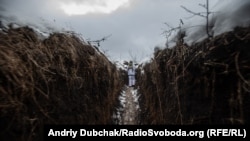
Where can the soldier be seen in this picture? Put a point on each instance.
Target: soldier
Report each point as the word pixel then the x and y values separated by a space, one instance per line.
pixel 131 74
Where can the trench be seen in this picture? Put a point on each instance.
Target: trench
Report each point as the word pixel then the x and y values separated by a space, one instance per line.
pixel 129 110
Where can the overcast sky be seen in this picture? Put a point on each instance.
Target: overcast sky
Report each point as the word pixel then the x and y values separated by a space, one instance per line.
pixel 135 26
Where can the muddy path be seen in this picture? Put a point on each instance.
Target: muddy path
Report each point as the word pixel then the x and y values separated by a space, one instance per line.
pixel 129 111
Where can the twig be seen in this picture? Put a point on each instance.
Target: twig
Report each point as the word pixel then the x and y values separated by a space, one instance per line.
pixel 238 69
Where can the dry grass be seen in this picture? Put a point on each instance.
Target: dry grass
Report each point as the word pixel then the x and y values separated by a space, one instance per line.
pixel 60 80
pixel 206 83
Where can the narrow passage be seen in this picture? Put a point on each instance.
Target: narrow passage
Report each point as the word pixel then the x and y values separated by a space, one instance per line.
pixel 130 109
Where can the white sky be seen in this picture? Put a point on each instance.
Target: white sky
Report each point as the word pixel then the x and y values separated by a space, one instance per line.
pixel 135 26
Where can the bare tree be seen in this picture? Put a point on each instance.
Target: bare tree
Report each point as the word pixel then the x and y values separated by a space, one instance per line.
pixel 203 15
pixel 133 56
pixel 168 33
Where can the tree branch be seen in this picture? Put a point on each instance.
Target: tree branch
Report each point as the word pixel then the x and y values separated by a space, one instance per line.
pixel 194 13
pixel 100 40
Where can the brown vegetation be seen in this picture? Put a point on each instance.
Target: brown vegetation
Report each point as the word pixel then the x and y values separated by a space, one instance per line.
pixel 206 83
pixel 59 80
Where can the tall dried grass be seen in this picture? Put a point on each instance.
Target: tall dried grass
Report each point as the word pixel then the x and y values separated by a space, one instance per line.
pixel 206 83
pixel 59 80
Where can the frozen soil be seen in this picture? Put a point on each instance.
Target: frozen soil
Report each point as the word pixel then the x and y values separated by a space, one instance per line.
pixel 128 112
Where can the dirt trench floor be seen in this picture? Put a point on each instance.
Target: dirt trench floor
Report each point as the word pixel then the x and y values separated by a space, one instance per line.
pixel 131 109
